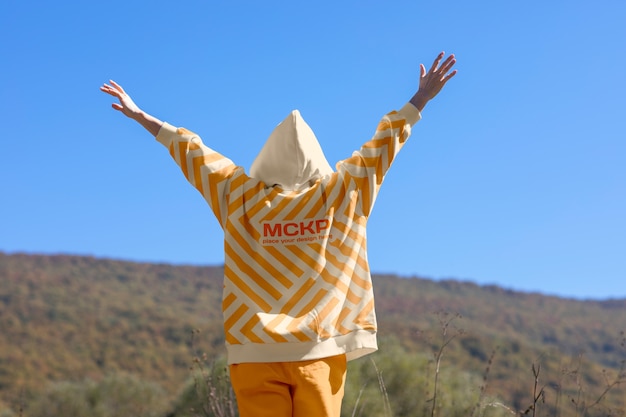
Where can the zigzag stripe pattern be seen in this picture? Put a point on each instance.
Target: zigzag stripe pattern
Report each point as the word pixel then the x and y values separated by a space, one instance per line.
pixel 295 262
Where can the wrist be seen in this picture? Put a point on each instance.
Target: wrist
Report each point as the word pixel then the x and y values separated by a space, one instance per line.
pixel 419 100
pixel 137 115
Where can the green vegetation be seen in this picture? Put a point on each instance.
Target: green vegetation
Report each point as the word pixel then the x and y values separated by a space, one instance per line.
pixel 116 395
pixel 84 336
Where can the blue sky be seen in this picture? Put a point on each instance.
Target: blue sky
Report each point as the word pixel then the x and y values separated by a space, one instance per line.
pixel 516 175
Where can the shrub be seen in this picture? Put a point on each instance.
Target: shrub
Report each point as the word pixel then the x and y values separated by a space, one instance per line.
pixel 208 393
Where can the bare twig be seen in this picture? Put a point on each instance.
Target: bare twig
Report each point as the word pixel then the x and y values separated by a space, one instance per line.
pixel 358 399
pixel 383 390
pixel 444 320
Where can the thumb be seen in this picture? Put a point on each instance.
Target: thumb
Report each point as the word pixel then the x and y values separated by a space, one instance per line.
pixel 422 70
pixel 116 106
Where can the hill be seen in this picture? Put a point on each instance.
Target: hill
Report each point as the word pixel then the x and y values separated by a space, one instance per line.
pixel 66 318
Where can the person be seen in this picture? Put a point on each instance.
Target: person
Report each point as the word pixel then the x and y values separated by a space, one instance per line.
pixel 297 297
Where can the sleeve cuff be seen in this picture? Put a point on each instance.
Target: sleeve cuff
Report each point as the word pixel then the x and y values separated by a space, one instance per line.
pixel 166 134
pixel 410 113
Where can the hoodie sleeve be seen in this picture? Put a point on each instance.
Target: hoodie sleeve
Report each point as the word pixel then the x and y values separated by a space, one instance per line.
pixel 208 171
pixel 367 167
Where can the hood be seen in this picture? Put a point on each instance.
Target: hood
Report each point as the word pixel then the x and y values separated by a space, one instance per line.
pixel 291 156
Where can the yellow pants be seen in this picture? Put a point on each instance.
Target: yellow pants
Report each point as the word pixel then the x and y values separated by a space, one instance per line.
pixel 290 389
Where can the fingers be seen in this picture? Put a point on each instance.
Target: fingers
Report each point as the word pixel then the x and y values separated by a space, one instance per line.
pixel 436 62
pixel 114 89
pixel 441 70
pixel 110 90
pixel 447 64
pixel 117 86
pixel 447 77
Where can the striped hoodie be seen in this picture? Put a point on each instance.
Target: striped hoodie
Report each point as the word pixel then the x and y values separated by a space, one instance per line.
pixel 297 284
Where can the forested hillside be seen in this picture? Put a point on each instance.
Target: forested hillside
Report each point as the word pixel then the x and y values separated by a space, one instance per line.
pixel 72 319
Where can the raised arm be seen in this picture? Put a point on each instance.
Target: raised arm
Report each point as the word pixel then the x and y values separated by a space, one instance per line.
pixel 432 82
pixel 128 107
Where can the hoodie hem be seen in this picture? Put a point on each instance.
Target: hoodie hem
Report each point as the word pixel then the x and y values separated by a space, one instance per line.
pixel 353 345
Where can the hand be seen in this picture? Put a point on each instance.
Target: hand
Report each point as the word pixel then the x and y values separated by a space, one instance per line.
pixel 432 82
pixel 130 109
pixel 126 104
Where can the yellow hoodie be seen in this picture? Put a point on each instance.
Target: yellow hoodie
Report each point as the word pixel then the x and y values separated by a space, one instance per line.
pixel 297 284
